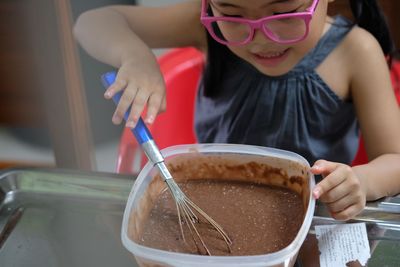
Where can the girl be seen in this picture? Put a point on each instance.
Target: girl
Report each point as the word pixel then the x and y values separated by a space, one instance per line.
pixel 279 73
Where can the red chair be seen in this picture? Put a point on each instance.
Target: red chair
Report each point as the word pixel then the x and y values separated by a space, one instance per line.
pixel 181 69
pixel 395 75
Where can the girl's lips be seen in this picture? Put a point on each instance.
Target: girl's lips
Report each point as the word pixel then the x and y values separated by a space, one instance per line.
pixel 271 59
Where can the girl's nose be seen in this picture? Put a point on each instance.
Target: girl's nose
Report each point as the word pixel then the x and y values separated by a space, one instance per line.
pixel 260 37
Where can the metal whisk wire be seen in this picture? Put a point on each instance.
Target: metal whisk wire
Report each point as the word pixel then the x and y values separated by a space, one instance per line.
pixel 185 213
pixel 185 207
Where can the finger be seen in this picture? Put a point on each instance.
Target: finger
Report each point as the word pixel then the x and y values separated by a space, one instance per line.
pixel 335 194
pixel 351 185
pixel 154 105
pixel 343 203
pixel 328 183
pixel 348 213
pixel 163 104
pixel 124 103
pixel 137 107
pixel 323 167
pixel 347 186
pixel 117 86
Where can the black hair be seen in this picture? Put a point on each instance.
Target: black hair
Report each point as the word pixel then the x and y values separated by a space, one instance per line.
pixel 368 15
pixel 217 56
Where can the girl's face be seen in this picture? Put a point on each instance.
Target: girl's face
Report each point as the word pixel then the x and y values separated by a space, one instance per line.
pixel 267 56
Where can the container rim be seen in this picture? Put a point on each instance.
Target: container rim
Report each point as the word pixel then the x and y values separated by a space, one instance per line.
pixel 199 260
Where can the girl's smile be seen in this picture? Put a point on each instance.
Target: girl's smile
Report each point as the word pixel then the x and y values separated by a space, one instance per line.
pixel 271 59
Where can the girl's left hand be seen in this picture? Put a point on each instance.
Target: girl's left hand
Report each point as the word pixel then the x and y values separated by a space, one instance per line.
pixel 341 190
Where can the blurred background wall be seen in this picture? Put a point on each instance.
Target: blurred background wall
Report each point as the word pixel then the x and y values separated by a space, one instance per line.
pixel 41 69
pixel 19 93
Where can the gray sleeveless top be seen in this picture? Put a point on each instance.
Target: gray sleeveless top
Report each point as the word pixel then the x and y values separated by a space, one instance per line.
pixel 296 111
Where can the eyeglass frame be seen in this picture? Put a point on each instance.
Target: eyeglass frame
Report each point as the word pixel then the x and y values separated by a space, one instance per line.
pixel 257 24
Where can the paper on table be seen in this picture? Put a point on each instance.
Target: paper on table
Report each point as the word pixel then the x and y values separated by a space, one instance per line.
pixel 342 243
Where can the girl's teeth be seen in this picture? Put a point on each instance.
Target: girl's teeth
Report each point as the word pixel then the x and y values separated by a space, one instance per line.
pixel 277 54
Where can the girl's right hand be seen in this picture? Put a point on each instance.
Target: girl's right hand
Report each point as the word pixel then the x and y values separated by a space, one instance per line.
pixel 142 85
pixel 341 189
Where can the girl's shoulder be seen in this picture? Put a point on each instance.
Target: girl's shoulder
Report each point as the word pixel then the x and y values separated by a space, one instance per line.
pixel 360 52
pixel 360 46
pixel 356 55
pixel 365 62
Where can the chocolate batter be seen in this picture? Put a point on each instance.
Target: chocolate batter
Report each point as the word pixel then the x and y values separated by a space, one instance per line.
pixel 258 218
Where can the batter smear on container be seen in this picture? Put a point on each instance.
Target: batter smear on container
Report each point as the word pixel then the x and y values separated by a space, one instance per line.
pixel 259 219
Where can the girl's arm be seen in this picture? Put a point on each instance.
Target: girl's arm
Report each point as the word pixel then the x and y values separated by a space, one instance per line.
pixel 379 117
pixel 123 36
pixel 113 33
pixel 345 189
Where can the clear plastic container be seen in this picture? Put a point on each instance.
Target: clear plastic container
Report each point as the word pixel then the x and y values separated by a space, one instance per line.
pixel 149 185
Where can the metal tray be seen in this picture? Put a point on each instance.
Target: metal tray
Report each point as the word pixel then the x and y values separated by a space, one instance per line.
pixel 62 218
pixel 66 218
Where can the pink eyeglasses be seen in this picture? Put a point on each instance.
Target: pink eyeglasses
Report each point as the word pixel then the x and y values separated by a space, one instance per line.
pixel 283 28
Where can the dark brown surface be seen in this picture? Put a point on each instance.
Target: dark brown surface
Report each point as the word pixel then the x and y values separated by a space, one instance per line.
pixel 24 164
pixel 259 219
pixel 391 9
pixel 20 102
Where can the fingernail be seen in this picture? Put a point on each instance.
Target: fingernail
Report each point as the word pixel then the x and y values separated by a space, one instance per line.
pixel 150 119
pixel 316 193
pixel 116 119
pixel 317 163
pixel 316 166
pixel 130 124
pixel 108 94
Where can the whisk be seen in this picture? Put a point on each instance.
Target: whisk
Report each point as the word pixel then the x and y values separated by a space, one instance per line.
pixel 185 207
